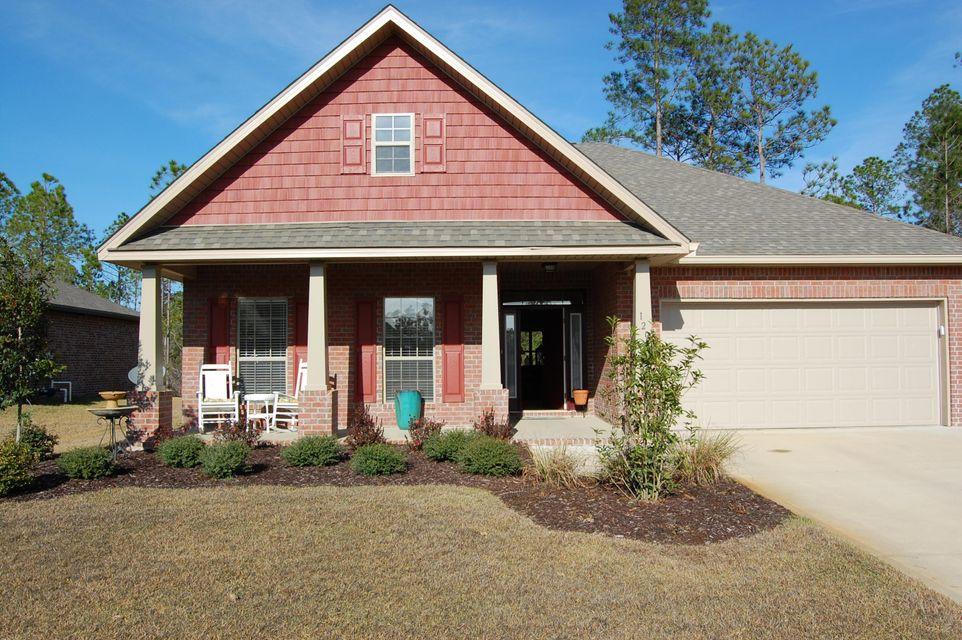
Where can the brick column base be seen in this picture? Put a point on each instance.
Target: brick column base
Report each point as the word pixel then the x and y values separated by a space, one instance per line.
pixel 496 399
pixel 317 411
pixel 152 421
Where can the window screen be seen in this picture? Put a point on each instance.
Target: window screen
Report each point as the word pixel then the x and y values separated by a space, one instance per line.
pixel 408 346
pixel 262 345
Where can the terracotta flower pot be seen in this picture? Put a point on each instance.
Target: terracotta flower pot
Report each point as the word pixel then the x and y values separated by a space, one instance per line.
pixel 580 397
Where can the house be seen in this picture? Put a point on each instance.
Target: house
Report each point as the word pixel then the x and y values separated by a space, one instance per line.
pixel 398 221
pixel 93 338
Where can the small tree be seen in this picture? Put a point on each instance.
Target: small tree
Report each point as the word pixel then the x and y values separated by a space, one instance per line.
pixel 649 377
pixel 25 362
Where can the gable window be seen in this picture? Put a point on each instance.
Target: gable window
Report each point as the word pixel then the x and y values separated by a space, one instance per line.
pixel 393 144
pixel 408 346
pixel 262 344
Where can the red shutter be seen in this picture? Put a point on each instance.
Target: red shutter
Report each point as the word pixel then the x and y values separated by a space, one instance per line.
pixel 432 143
pixel 452 366
pixel 300 337
pixel 218 333
pixel 352 144
pixel 366 352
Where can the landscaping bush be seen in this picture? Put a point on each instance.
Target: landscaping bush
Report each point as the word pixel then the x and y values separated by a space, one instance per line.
pixel 555 466
pixel 701 460
pixel 86 463
pixel 489 456
pixel 17 462
pixel 648 379
pixel 378 459
pixel 248 433
pixel 225 459
pixel 488 425
pixel 448 445
pixel 184 451
pixel 363 428
pixel 420 430
pixel 36 438
pixel 313 451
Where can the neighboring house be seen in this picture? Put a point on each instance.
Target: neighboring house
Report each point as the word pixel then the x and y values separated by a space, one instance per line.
pixel 398 221
pixel 94 338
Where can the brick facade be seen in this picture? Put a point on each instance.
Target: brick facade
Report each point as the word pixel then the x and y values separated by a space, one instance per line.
pixel 152 421
pixel 97 351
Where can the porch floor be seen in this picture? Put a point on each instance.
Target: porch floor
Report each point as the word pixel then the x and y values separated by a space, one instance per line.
pixel 580 429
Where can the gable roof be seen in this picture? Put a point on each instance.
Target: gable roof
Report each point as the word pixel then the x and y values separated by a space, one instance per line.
pixel 737 221
pixel 389 21
pixel 67 297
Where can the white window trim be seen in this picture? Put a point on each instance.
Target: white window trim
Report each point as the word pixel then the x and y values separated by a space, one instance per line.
pixel 375 144
pixel 264 358
pixel 434 347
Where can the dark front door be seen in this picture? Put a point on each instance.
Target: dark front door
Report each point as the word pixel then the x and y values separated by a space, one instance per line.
pixel 541 357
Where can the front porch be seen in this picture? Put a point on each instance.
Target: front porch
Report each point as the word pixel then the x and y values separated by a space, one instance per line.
pixel 516 337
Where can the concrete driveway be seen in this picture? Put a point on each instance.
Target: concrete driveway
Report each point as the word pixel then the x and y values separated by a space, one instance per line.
pixel 896 492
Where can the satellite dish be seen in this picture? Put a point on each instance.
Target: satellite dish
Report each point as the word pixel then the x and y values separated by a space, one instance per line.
pixel 134 375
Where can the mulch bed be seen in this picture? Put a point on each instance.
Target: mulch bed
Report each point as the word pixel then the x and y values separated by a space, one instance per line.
pixel 696 515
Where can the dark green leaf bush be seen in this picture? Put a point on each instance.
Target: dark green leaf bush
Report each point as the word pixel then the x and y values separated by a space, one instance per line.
pixel 447 445
pixel 184 451
pixel 86 463
pixel 37 438
pixel 378 460
pixel 225 459
pixel 17 462
pixel 490 456
pixel 313 451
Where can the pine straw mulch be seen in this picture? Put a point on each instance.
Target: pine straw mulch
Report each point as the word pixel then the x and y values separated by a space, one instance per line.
pixel 696 515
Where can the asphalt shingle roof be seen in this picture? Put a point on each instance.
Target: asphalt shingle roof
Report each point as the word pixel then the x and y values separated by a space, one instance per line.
pixel 370 235
pixel 733 216
pixel 67 297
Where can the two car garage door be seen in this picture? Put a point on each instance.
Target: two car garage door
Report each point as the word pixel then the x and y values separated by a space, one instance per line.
pixel 816 364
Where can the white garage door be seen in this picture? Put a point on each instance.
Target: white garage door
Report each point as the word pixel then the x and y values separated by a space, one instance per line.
pixel 812 365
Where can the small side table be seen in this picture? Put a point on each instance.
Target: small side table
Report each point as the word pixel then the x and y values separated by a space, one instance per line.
pixel 257 406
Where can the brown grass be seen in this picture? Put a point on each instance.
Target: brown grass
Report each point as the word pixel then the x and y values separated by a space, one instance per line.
pixel 420 562
pixel 72 423
pixel 556 467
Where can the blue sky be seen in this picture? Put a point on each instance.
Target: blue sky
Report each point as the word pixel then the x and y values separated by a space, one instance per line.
pixel 100 93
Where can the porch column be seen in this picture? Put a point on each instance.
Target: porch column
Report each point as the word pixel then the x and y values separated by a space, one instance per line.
pixel 150 342
pixel 641 315
pixel 490 328
pixel 317 329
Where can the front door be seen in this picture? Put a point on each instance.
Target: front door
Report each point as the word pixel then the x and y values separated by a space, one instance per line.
pixel 541 351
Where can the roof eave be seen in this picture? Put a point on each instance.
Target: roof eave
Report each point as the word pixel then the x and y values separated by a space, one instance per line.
pixel 815 259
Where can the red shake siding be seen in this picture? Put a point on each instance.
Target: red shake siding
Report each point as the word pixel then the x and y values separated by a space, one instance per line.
pixel 490 171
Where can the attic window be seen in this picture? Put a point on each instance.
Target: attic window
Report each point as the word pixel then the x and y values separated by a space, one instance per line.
pixel 393 144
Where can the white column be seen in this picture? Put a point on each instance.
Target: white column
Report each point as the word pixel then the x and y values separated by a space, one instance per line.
pixel 317 328
pixel 641 296
pixel 490 328
pixel 150 343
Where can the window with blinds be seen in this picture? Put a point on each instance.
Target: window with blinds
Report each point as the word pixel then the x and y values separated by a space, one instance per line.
pixel 408 346
pixel 262 344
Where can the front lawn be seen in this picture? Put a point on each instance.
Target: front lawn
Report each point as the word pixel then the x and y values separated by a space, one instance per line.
pixel 72 423
pixel 429 561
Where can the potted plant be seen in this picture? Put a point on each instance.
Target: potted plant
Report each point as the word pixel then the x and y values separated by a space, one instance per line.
pixel 580 396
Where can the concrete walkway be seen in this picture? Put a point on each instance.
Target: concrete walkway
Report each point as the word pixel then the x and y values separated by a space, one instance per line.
pixel 897 492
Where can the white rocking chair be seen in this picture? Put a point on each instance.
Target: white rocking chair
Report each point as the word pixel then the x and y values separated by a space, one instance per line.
pixel 286 407
pixel 217 401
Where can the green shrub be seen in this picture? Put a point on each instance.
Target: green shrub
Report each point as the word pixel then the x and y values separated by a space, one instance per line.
pixel 489 456
pixel 86 463
pixel 313 451
pixel 37 438
pixel 184 451
pixel 448 445
pixel 555 467
pixel 378 459
pixel 701 460
pixel 420 430
pixel 225 459
pixel 17 462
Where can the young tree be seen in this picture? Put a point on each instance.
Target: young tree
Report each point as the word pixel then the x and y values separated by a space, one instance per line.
pixel 930 161
pixel 25 362
pixel 874 186
pixel 777 85
pixel 654 40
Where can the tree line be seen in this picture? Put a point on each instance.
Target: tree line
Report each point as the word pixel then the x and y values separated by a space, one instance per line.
pixel 742 104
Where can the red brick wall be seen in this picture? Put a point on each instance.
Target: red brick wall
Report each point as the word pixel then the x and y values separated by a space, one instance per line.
pixel 98 351
pixel 491 171
pixel 789 283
